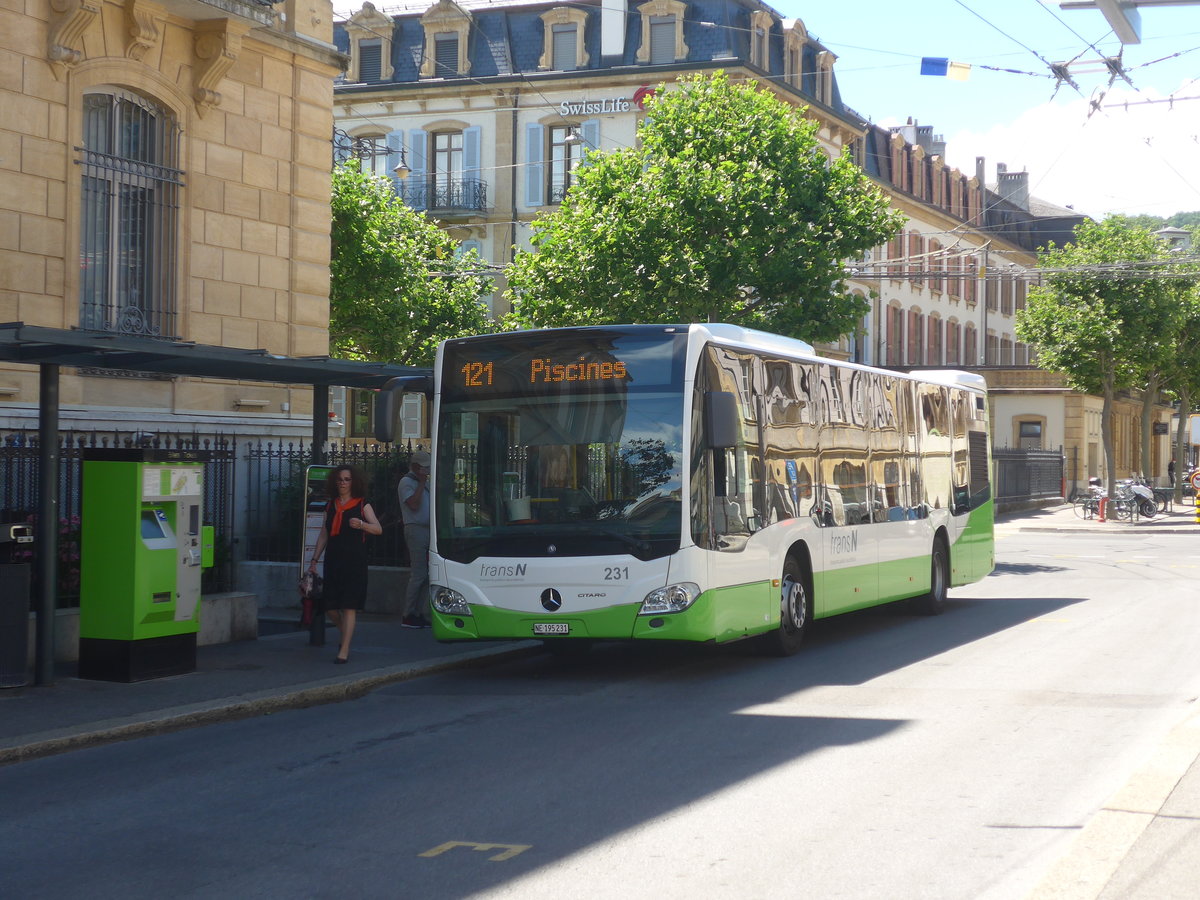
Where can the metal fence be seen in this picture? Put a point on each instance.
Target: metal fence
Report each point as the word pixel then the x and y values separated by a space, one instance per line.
pixel 1023 474
pixel 275 477
pixel 19 473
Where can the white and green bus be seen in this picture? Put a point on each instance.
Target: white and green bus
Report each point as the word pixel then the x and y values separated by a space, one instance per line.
pixel 694 483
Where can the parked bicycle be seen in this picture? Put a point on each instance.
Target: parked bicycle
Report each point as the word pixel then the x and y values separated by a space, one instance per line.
pixel 1132 499
pixel 1087 505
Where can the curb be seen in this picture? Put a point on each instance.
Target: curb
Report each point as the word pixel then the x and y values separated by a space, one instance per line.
pixel 1106 840
pixel 209 712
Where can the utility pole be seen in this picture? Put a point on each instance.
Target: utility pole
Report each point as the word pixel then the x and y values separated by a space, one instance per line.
pixel 981 293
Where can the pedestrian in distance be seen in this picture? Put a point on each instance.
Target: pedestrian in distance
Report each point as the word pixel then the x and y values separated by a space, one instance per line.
pixel 1171 472
pixel 349 518
pixel 413 491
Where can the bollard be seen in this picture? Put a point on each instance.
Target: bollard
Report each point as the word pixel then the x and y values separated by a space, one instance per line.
pixel 1102 510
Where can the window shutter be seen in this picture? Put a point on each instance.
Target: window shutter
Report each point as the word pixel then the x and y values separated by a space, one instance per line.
pixel 370 61
pixel 535 186
pixel 417 193
pixel 662 40
pixel 562 48
pixel 590 131
pixel 471 149
pixel 445 55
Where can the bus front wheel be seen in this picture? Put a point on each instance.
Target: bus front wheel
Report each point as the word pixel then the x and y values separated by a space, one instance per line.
pixel 795 610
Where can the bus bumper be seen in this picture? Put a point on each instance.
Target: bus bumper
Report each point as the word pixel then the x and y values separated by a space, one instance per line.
pixel 718 615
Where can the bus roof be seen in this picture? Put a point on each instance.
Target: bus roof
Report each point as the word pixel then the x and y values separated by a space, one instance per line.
pixel 953 378
pixel 762 340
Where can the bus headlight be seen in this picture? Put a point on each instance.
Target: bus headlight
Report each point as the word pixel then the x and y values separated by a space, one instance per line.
pixel 670 599
pixel 448 602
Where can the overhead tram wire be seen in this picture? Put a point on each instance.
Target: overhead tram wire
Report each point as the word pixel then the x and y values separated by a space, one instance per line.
pixel 1116 69
pixel 1059 71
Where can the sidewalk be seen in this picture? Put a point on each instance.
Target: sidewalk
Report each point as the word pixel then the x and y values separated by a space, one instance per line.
pixel 1181 519
pixel 237 680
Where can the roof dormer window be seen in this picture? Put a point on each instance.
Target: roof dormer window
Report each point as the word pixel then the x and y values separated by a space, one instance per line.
pixel 447 28
pixel 760 39
pixel 662 32
pixel 562 45
pixel 370 59
pixel 370 33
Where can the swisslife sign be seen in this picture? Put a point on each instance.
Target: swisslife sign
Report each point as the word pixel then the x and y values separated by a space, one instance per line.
pixel 609 105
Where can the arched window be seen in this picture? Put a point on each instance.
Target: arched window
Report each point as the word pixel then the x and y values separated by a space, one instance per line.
pixel 970 354
pixel 128 248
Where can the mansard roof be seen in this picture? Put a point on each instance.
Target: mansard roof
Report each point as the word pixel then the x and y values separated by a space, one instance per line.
pixel 507 39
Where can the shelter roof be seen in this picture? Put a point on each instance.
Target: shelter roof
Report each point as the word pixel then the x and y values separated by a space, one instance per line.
pixel 37 345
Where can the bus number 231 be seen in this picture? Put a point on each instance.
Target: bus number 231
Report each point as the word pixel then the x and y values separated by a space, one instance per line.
pixel 616 573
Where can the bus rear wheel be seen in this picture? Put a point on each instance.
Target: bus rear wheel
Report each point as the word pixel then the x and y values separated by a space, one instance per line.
pixel 934 602
pixel 795 611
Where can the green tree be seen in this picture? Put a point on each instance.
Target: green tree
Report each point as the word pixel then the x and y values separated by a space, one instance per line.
pixel 397 285
pixel 727 210
pixel 1181 376
pixel 1101 319
pixel 1144 221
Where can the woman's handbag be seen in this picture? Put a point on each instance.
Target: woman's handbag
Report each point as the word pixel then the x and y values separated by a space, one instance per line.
pixel 311 586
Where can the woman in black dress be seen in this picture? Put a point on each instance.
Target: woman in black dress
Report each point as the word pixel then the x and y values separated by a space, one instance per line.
pixel 343 540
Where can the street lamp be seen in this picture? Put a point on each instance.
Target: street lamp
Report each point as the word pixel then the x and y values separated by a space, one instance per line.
pixel 367 150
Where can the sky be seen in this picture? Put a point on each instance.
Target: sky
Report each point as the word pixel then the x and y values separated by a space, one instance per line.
pixel 1130 156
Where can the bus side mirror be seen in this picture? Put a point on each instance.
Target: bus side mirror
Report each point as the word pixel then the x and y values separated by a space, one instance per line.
pixel 722 427
pixel 390 401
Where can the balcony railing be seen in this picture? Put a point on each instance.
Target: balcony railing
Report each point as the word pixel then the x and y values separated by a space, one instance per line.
pixel 445 195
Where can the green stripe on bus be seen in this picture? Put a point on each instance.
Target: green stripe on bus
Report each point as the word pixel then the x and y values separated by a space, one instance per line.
pixel 724 614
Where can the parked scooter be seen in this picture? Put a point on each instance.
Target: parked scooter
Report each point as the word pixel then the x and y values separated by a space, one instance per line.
pixel 1147 504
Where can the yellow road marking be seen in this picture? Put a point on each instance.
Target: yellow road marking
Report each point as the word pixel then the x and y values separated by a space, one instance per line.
pixel 510 850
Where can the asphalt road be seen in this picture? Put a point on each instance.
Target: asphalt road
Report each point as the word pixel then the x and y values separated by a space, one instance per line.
pixel 895 756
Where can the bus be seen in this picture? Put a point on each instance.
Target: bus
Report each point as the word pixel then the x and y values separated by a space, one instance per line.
pixel 702 482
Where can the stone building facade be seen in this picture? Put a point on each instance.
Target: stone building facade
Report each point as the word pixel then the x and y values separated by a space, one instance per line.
pixel 165 173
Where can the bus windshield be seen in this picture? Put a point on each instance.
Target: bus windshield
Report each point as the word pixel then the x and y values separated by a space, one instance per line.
pixel 563 443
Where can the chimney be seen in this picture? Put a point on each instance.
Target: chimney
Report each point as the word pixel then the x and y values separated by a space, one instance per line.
pixel 1013 186
pixel 980 170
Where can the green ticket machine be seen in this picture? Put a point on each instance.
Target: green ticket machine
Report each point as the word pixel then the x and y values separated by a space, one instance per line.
pixel 143 547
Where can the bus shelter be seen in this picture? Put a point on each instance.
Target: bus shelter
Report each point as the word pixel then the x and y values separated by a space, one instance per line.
pixel 52 348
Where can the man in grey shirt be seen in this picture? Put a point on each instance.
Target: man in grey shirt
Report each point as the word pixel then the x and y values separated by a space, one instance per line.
pixel 413 492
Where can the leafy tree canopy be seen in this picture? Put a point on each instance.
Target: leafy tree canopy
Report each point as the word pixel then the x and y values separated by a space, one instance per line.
pixel 1098 319
pixel 397 285
pixel 727 210
pixel 1186 220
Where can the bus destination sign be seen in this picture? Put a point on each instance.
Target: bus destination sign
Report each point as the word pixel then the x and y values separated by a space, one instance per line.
pixel 545 370
pixel 604 362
